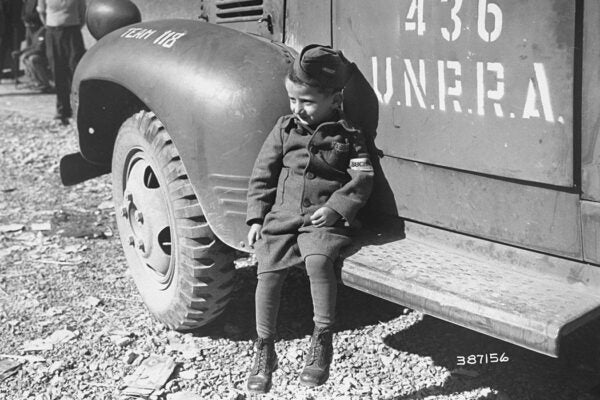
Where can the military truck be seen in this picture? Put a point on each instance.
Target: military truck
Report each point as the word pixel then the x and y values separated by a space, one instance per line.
pixel 485 119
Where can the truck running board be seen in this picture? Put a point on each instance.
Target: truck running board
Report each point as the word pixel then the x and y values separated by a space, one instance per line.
pixel 526 298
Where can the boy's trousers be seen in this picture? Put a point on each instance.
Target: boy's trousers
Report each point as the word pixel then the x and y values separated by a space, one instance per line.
pixel 323 290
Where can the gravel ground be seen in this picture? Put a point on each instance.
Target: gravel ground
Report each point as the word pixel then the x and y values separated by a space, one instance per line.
pixel 64 285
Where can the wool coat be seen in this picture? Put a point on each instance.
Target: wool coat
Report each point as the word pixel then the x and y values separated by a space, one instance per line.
pixel 298 171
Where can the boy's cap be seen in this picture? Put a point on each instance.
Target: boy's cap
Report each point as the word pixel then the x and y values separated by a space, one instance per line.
pixel 319 65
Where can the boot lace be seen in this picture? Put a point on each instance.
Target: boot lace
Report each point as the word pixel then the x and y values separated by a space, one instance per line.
pixel 262 357
pixel 318 348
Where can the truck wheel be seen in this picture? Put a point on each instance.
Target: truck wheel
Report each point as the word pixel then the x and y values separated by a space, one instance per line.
pixel 182 271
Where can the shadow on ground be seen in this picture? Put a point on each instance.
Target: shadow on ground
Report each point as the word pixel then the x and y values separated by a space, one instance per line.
pixel 526 375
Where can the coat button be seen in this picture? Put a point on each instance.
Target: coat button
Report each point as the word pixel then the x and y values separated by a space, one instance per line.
pixel 310 175
pixel 306 203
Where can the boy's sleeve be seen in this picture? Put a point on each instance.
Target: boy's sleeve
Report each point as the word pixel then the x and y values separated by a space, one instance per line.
pixel 351 197
pixel 262 188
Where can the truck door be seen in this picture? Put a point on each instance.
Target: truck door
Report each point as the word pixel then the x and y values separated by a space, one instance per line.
pixel 476 112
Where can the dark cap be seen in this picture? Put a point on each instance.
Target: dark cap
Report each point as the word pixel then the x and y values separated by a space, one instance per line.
pixel 322 66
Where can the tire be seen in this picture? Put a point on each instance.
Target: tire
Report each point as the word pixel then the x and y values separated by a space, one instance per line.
pixel 182 271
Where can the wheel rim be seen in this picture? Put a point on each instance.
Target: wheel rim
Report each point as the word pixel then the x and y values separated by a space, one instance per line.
pixel 147 222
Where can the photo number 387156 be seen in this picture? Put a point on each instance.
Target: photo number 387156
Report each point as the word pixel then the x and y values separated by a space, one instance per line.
pixel 489 358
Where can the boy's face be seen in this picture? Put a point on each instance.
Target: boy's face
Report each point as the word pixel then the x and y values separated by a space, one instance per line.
pixel 311 106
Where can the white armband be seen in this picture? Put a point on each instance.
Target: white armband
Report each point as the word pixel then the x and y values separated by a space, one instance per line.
pixel 361 164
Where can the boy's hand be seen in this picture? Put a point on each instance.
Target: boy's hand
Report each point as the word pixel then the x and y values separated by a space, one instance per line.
pixel 254 234
pixel 324 216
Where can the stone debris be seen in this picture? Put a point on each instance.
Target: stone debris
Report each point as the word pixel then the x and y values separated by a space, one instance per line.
pixel 11 228
pixel 58 337
pixel 41 226
pixel 184 396
pixel 188 351
pixel 151 375
pixel 91 302
pixel 106 205
pixel 188 374
pixel 8 368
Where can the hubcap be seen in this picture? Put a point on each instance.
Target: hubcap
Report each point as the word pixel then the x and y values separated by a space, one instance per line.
pixel 146 217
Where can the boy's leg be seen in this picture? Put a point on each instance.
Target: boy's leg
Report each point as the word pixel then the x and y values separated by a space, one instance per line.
pixel 323 288
pixel 267 299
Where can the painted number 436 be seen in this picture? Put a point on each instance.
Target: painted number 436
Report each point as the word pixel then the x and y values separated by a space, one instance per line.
pixel 489 15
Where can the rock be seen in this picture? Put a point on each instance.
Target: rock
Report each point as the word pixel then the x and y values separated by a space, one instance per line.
pixel 56 366
pixel 74 248
pixel 152 374
pixel 9 368
pixel 130 357
pixel 106 205
pixel 121 341
pixel 91 302
pixel 387 360
pixel 54 311
pixel 37 345
pixel 189 351
pixel 11 228
pixel 188 374
pixel 172 386
pixel 62 336
pixel 41 226
pixel 184 396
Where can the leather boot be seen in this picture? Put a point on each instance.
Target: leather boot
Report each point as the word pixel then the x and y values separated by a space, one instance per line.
pixel 265 362
pixel 318 359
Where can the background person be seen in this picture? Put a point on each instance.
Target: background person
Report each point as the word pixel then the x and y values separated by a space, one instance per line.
pixel 64 46
pixel 12 32
pixel 36 65
pixel 31 20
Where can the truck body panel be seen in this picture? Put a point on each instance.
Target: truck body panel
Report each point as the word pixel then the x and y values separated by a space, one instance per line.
pixel 590 108
pixel 198 78
pixel 463 88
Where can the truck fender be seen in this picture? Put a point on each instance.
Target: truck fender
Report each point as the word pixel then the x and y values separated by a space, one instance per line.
pixel 217 91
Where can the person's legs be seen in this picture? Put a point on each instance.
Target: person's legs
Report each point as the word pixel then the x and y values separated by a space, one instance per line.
pixel 76 48
pixel 4 50
pixel 28 64
pixel 267 300
pixel 37 70
pixel 323 289
pixel 72 48
pixel 57 58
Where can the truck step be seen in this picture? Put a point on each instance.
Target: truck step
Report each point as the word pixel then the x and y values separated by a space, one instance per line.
pixel 525 298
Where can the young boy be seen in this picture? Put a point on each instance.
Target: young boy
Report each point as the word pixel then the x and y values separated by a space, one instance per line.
pixel 311 177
